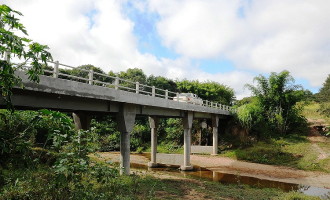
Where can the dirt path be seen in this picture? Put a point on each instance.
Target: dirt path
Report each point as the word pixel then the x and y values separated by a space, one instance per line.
pixel 231 166
pixel 319 139
pixel 322 154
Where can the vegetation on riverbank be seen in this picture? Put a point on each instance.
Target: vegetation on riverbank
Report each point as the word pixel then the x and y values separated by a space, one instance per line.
pixel 294 151
pixel 40 183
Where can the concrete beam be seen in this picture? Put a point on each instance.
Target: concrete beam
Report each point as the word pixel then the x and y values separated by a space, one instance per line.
pixel 125 120
pixel 78 89
pixel 153 122
pixel 160 112
pixel 215 125
pixel 25 99
pixel 187 125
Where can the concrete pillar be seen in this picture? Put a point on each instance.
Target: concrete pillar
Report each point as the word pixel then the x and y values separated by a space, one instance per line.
pixel 81 120
pixel 125 121
pixel 187 125
pixel 153 122
pixel 215 125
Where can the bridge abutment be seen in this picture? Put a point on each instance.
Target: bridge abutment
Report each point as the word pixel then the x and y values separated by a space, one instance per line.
pixel 125 120
pixel 187 125
pixel 215 125
pixel 153 122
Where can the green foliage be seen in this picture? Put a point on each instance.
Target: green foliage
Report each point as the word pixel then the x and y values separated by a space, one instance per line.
pixel 249 115
pixel 277 97
pixel 293 151
pixel 324 94
pixel 209 90
pixel 106 129
pixel 81 72
pixel 140 135
pixel 324 97
pixel 134 74
pixel 162 83
pixel 20 131
pixel 297 196
pixel 174 131
pixel 20 47
pixel 16 137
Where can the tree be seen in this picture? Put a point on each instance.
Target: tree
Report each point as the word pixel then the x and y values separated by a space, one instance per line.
pixel 162 83
pixel 13 45
pixel 209 90
pixel 324 97
pixel 135 75
pixel 324 93
pixel 277 97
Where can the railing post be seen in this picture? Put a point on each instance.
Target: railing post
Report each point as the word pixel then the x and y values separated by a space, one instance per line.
pixel 90 77
pixel 116 83
pixel 177 94
pixel 207 103
pixel 56 70
pixel 166 94
pixel 216 105
pixel 220 106
pixel 153 92
pixel 137 87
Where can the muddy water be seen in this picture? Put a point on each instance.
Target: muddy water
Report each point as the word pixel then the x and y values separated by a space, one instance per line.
pixel 202 173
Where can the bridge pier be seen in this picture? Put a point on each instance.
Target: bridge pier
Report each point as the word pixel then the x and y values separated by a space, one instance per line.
pixel 81 120
pixel 215 125
pixel 187 125
pixel 153 122
pixel 125 120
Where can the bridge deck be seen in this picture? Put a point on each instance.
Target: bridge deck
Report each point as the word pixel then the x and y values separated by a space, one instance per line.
pixel 65 94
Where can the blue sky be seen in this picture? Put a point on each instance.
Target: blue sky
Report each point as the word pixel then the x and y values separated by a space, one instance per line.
pixel 228 41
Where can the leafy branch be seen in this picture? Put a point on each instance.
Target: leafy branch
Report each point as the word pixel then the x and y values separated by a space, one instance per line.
pixel 13 45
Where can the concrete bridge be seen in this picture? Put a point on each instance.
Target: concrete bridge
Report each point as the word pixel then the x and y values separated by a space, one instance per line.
pixel 122 98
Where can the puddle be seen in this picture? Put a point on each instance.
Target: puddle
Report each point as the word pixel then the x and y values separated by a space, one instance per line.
pixel 202 173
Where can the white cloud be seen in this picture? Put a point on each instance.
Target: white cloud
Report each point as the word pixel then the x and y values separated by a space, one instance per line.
pixel 106 40
pixel 272 36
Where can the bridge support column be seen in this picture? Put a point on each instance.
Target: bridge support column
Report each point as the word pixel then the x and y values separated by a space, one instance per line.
pixel 215 125
pixel 125 120
pixel 81 120
pixel 153 122
pixel 187 125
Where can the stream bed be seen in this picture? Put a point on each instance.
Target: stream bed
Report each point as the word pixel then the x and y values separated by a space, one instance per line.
pixel 226 178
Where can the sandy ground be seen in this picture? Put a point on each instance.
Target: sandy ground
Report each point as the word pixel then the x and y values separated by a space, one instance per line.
pixel 231 166
pixel 268 172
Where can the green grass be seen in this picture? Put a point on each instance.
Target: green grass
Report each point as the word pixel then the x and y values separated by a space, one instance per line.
pixel 168 148
pixel 295 151
pixel 310 111
pixel 39 183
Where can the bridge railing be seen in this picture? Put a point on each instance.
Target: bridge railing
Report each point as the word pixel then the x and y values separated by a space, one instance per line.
pixel 91 77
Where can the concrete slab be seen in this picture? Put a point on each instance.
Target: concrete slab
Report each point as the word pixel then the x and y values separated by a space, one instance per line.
pixel 201 149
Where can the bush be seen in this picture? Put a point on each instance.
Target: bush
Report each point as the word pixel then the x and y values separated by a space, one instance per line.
pixel 17 133
pixel 277 99
pixel 106 129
